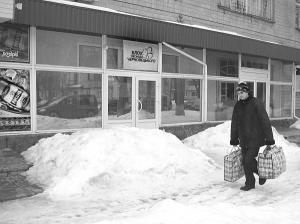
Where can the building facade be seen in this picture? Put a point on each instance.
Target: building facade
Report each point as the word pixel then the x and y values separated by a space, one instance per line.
pixel 171 64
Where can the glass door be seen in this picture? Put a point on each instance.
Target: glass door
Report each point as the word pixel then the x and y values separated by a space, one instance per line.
pixel 147 102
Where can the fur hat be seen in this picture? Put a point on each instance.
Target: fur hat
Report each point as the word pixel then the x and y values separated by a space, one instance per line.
pixel 242 86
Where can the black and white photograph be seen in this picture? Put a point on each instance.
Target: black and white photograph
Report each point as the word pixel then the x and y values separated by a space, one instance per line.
pixel 149 111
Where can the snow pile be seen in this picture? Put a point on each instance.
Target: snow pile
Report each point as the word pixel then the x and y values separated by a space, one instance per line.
pixel 216 140
pixel 113 163
pixel 296 125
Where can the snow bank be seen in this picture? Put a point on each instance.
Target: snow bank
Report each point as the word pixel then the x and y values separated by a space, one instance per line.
pixel 112 163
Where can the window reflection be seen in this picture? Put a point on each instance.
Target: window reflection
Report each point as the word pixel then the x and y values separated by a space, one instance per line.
pixel 280 101
pixel 119 98
pixel 67 100
pixel 221 100
pixel 181 100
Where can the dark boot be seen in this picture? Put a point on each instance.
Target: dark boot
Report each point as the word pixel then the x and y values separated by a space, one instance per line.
pixel 247 188
pixel 262 181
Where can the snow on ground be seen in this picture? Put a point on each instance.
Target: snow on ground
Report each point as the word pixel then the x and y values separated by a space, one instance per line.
pixel 136 176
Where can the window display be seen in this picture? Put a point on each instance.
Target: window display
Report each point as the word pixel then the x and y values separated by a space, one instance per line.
pixel 14 100
pixel 14 44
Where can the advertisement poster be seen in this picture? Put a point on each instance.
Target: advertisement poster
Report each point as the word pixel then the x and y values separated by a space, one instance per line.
pixel 14 100
pixel 14 44
pixel 140 56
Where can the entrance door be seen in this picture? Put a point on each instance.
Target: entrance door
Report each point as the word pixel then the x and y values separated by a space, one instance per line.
pixel 132 101
pixel 147 102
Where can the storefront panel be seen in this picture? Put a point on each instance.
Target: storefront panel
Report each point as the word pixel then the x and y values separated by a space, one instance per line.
pixel 14 100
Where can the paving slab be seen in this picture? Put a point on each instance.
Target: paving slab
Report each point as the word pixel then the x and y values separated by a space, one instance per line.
pixel 16 187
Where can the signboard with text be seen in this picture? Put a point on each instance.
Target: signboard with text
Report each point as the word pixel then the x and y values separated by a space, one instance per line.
pixel 140 56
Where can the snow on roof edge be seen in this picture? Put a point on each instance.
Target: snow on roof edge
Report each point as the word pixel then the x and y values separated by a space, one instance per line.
pixel 119 12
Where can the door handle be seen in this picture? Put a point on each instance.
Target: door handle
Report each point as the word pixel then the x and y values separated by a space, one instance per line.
pixel 141 105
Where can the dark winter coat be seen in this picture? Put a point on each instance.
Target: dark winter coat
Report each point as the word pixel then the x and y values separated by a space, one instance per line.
pixel 250 125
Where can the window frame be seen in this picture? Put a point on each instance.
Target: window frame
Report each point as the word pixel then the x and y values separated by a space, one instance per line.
pixel 297 14
pixel 242 7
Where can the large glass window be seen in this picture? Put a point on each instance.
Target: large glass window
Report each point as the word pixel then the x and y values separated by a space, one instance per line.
pixel 14 44
pixel 14 100
pixel 68 100
pixel 254 62
pixel 280 101
pixel 222 64
pixel 131 55
pixel 119 98
pixel 281 71
pixel 66 49
pixel 174 62
pixel 181 100
pixel 221 99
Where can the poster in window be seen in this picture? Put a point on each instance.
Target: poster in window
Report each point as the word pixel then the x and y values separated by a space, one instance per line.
pixel 140 56
pixel 14 100
pixel 14 44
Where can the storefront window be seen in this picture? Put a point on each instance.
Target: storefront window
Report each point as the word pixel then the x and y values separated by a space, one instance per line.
pixel 170 63
pixel 222 64
pixel 298 79
pixel 280 101
pixel 14 100
pixel 131 55
pixel 181 100
pixel 254 62
pixel 281 71
pixel 119 98
pixel 297 103
pixel 174 62
pixel 68 100
pixel 66 49
pixel 221 100
pixel 14 44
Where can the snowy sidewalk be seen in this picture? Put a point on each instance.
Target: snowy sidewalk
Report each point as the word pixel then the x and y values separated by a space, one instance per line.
pixel 12 184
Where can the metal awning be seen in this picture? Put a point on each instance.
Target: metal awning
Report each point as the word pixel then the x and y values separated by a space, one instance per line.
pixel 71 18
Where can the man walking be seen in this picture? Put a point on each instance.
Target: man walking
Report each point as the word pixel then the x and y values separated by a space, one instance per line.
pixel 251 129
